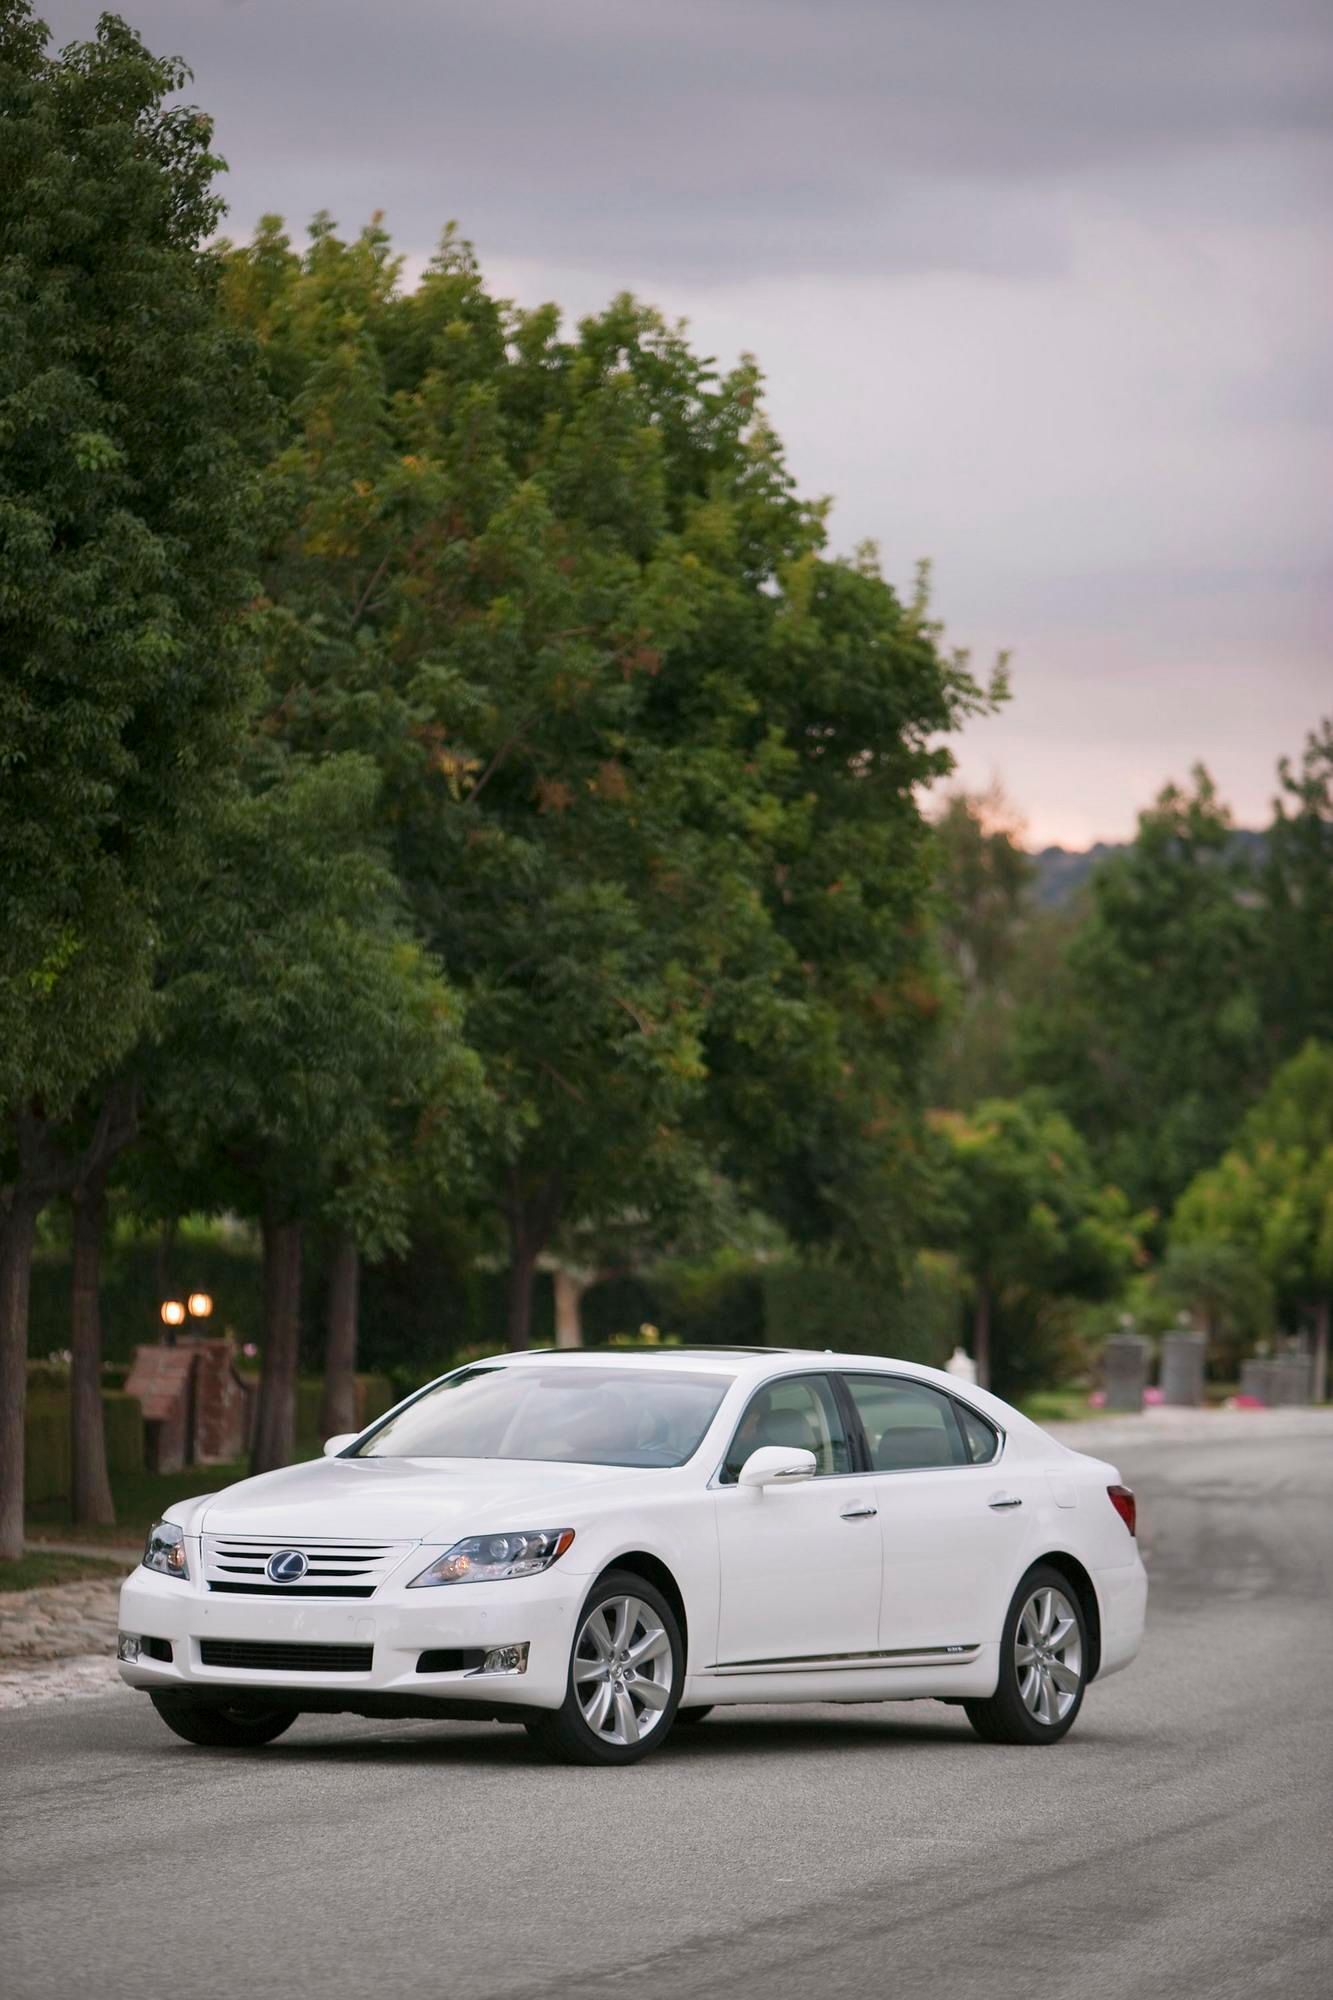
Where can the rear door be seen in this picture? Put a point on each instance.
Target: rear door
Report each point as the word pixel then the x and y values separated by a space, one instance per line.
pixel 952 1518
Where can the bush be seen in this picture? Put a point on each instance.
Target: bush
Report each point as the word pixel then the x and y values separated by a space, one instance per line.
pixel 47 1443
pixel 46 1447
pixel 825 1305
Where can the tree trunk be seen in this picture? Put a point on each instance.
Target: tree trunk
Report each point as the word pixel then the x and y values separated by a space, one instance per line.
pixel 90 1484
pixel 275 1421
pixel 337 1411
pixel 981 1336
pixel 18 1226
pixel 569 1287
pixel 1319 1385
pixel 531 1220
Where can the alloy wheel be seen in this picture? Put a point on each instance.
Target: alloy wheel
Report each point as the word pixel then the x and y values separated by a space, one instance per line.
pixel 1048 1655
pixel 622 1670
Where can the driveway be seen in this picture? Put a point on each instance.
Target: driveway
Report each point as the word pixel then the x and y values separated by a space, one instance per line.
pixel 1176 1844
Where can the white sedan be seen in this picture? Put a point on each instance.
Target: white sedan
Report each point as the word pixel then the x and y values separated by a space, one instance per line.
pixel 602 1545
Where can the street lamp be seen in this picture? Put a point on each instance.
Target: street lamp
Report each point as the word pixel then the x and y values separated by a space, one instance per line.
pixel 200 1304
pixel 173 1312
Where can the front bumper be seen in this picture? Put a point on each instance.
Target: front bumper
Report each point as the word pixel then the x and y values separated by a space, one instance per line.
pixel 397 1624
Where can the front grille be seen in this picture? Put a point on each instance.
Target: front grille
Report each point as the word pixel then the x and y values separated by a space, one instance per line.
pixel 294 1589
pixel 156 1649
pixel 261 1656
pixel 238 1565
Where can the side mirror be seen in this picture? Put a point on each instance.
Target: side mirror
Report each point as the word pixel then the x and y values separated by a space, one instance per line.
pixel 333 1445
pixel 777 1465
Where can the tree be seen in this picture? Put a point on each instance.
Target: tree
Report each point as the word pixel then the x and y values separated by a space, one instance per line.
pixel 310 1060
pixel 1271 1194
pixel 1297 884
pixel 650 758
pixel 1153 1044
pixel 1023 1211
pixel 129 421
pixel 984 919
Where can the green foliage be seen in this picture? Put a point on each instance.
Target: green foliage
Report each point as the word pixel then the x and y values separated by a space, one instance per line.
pixel 1271 1195
pixel 226 1266
pixel 131 418
pixel 306 1042
pixel 989 936
pixel 47 1453
pixel 1031 1224
pixel 821 1304
pixel 1152 1041
pixel 1297 880
pixel 40 1572
pixel 650 758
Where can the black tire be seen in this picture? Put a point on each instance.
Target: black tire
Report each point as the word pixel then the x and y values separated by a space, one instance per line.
pixel 219 1728
pixel 1006 1717
pixel 689 1716
pixel 563 1734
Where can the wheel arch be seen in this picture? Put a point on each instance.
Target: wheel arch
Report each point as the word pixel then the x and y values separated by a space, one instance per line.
pixel 640 1562
pixel 1080 1582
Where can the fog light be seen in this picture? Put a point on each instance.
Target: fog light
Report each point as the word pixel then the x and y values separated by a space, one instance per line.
pixel 505 1660
pixel 127 1646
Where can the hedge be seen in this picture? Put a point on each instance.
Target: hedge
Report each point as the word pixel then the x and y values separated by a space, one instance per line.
pixel 375 1395
pixel 47 1442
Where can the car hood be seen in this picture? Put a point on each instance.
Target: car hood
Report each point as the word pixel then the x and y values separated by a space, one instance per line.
pixel 408 1499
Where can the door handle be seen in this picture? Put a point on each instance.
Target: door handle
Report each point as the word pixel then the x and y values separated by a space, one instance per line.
pixel 1001 1500
pixel 859 1513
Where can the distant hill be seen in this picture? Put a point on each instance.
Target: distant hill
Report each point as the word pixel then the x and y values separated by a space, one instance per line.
pixel 1063 871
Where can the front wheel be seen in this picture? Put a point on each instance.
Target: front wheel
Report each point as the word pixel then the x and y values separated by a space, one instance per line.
pixel 625 1676
pixel 221 1728
pixel 1043 1665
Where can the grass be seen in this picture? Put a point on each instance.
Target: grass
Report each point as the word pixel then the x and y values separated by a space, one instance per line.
pixel 1057 1406
pixel 140 1499
pixel 34 1572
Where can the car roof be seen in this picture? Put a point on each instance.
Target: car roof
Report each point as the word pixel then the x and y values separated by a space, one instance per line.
pixel 744 1363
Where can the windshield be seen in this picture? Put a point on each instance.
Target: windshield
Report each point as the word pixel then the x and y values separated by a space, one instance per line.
pixel 590 1416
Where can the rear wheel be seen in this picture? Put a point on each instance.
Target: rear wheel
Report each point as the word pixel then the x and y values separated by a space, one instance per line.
pixel 1043 1665
pixel 625 1676
pixel 239 1727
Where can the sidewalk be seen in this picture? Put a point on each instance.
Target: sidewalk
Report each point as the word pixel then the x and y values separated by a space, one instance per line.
pixel 60 1641
pixel 1161 1424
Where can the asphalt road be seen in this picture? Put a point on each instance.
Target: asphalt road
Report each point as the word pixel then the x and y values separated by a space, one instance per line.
pixel 1178 1842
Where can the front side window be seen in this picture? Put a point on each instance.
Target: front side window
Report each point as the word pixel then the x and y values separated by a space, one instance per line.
pixel 908 1425
pixel 800 1411
pixel 588 1416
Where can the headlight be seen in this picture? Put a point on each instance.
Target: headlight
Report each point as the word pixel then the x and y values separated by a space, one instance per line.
pixel 487 1558
pixel 165 1549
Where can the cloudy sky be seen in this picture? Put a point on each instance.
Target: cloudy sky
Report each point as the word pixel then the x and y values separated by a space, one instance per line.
pixel 1041 288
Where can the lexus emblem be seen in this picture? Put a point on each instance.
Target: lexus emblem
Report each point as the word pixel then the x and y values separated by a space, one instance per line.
pixel 286 1566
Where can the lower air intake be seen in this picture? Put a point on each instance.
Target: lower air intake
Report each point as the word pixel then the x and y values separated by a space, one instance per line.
pixel 262 1657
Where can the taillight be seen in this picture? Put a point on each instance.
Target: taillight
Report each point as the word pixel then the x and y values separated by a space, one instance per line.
pixel 1126 1506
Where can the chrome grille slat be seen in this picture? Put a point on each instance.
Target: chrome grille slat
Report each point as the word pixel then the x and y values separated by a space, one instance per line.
pixel 341 1568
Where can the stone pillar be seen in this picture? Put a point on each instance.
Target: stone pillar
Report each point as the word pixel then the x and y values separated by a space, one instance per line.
pixel 1182 1368
pixel 1125 1361
pixel 1290 1379
pixel 1256 1379
pixel 220 1429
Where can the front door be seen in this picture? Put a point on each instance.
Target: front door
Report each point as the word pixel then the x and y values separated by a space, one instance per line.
pixel 800 1564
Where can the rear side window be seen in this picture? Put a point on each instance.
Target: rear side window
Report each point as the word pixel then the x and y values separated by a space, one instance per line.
pixel 982 1439
pixel 799 1410
pixel 908 1425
